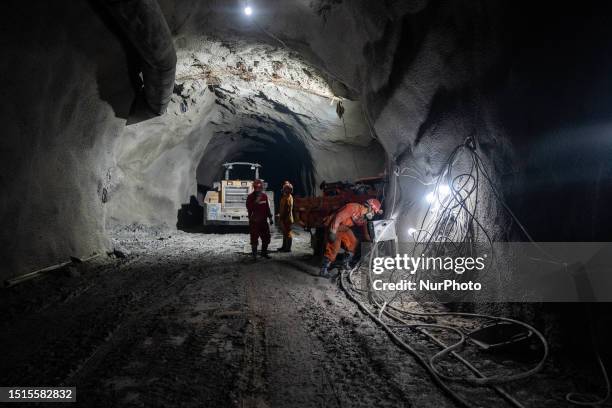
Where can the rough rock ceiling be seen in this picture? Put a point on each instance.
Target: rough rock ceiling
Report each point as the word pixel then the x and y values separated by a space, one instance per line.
pixel 248 95
pixel 264 81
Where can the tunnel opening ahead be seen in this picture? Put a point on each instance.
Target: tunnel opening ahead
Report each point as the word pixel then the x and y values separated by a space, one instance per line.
pixel 282 155
pixel 281 160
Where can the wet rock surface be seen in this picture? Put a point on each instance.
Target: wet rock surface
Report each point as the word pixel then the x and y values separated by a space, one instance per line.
pixel 190 320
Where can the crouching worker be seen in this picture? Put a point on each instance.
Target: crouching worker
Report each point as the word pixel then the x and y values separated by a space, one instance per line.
pixel 339 232
pixel 285 216
pixel 258 209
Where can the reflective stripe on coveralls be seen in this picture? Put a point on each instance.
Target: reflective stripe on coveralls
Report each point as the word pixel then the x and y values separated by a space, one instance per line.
pixel 346 217
pixel 286 214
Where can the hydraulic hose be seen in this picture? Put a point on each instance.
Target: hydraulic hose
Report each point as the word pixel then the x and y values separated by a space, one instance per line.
pixel 445 388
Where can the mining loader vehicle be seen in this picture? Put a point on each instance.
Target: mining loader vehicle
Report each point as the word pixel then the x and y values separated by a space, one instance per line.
pixel 225 204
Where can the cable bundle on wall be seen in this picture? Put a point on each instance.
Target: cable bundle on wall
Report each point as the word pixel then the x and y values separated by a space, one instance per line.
pixel 451 226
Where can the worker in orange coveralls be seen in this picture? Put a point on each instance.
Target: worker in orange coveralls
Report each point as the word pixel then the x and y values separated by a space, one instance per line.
pixel 285 216
pixel 339 231
pixel 258 209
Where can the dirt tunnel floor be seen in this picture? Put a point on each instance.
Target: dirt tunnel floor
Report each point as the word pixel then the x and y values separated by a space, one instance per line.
pixel 187 320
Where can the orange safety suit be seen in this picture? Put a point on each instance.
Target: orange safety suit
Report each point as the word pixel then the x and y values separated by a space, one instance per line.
pixel 285 214
pixel 258 209
pixel 352 214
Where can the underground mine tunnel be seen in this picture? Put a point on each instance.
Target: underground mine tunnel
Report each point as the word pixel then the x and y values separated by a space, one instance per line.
pixel 481 128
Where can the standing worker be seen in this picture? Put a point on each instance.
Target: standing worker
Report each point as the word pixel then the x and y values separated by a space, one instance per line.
pixel 339 231
pixel 258 209
pixel 285 216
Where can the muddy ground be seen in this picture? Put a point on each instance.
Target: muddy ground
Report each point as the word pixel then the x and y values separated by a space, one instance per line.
pixel 187 320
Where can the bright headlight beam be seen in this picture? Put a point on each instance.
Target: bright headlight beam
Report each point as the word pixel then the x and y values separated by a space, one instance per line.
pixel 444 190
pixel 248 10
pixel 439 194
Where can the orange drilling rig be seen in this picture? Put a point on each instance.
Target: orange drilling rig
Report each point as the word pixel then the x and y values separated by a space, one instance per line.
pixel 310 212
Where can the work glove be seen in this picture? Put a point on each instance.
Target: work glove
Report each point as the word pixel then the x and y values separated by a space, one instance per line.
pixel 331 237
pixel 271 221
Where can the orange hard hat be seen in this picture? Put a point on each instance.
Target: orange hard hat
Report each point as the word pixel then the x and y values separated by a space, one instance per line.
pixel 374 205
pixel 287 186
pixel 258 185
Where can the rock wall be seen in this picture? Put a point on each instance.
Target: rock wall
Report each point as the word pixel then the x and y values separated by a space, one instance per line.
pixel 66 90
pixel 233 99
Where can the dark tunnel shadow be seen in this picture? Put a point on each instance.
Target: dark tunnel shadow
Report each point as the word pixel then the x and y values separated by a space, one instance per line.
pixel 140 111
pixel 286 158
pixel 132 107
pixel 190 216
pixel 282 154
pixel 190 219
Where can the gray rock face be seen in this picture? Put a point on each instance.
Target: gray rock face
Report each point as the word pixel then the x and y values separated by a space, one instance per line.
pixel 65 100
pixel 234 100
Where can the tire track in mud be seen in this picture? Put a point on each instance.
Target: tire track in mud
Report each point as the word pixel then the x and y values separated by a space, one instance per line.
pixel 252 386
pixel 72 333
pixel 316 359
pixel 77 329
pixel 186 345
pixel 143 306
pixel 189 326
pixel 291 371
pixel 388 377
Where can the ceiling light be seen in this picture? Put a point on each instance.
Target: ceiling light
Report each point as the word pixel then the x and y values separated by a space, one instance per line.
pixel 248 10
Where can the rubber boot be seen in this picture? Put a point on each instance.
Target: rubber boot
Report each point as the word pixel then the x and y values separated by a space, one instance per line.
pixel 289 242
pixel 264 251
pixel 324 268
pixel 346 265
pixel 284 247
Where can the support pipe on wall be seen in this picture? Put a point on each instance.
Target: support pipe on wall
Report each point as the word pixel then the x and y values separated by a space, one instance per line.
pixel 145 26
